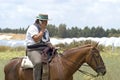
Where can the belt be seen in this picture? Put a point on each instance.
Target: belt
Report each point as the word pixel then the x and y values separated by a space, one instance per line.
pixel 36 46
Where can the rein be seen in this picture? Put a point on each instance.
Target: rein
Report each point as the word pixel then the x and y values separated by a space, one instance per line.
pixel 83 72
pixel 87 73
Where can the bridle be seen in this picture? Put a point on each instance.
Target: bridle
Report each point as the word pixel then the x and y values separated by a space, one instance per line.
pixel 76 63
pixel 93 53
pixel 96 57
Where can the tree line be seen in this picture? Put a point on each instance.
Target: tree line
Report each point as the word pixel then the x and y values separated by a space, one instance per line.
pixel 62 31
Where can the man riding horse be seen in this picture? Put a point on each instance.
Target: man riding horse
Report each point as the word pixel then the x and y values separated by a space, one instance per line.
pixel 37 36
pixel 61 67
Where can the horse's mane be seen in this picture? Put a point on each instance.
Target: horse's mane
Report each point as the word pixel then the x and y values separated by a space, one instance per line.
pixel 76 48
pixel 16 58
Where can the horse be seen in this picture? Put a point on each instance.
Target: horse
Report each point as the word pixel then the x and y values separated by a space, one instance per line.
pixel 62 66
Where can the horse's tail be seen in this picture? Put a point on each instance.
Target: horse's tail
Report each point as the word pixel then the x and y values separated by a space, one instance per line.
pixel 10 69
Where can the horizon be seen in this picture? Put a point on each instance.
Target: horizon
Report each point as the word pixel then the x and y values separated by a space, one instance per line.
pixel 66 27
pixel 106 41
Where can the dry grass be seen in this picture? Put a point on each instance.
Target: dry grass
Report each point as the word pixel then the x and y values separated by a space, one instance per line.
pixel 18 36
pixel 14 36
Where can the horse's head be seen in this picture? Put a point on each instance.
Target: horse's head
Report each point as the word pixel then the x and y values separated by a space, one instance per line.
pixel 94 60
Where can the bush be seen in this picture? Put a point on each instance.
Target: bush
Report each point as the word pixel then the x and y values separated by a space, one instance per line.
pixel 4 48
pixel 79 43
pixel 7 48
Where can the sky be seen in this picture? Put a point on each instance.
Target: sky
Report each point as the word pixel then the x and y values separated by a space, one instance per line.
pixel 80 13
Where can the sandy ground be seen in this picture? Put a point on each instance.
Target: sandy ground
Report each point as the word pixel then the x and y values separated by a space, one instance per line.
pixel 10 36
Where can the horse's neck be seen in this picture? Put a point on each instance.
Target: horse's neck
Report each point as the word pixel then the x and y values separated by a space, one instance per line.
pixel 73 59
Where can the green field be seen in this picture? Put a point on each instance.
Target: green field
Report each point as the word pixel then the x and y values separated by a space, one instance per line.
pixel 112 62
pixel 5 56
pixel 111 59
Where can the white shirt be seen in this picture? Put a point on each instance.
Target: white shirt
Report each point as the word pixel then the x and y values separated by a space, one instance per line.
pixel 33 30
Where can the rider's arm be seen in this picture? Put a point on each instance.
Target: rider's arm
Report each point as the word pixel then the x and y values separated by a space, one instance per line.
pixel 38 36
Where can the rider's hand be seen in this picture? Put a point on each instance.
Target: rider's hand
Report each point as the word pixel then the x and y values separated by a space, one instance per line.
pixel 50 45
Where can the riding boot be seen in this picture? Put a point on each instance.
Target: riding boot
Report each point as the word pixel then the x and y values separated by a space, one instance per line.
pixel 37 72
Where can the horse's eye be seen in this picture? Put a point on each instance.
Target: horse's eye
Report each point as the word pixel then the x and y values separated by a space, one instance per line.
pixel 96 54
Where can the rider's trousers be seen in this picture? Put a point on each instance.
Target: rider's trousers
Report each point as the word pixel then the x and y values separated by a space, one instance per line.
pixel 35 57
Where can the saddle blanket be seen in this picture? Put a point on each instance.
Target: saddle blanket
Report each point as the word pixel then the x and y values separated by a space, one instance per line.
pixel 26 63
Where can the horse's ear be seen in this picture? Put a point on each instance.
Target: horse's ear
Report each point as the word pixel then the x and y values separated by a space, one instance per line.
pixel 96 44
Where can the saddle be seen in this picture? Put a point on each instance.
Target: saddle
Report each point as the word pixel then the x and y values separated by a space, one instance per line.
pixel 47 56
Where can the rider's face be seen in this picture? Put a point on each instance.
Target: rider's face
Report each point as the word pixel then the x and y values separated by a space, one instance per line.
pixel 44 22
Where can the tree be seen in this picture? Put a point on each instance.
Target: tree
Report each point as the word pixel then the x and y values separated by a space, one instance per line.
pixel 86 31
pixel 75 32
pixel 100 32
pixel 52 30
pixel 62 31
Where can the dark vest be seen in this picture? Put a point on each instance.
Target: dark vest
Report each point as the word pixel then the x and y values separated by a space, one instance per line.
pixel 44 35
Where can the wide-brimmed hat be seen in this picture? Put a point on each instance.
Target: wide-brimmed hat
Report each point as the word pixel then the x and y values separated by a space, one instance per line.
pixel 42 17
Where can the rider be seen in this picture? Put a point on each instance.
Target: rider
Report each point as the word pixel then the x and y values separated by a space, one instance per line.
pixel 36 36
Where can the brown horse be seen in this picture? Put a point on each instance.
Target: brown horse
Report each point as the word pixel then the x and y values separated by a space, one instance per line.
pixel 62 66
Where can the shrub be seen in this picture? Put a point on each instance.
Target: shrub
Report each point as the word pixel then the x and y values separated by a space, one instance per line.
pixel 4 48
pixel 7 48
pixel 79 43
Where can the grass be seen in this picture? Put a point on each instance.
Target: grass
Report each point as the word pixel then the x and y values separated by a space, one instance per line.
pixel 112 63
pixel 2 63
pixel 5 57
pixel 111 59
pixel 10 55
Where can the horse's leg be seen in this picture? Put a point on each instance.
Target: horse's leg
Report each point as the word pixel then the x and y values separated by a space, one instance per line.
pixel 71 78
pixel 10 76
pixel 26 74
pixel 9 70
